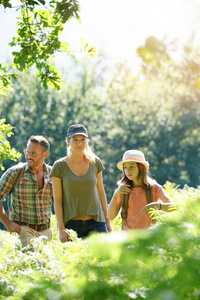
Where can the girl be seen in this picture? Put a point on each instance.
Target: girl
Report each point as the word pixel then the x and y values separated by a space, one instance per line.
pixel 135 181
pixel 79 196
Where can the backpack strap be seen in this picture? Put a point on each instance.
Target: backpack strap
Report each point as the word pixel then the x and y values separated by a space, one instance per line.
pixel 18 176
pixel 49 168
pixel 125 198
pixel 149 194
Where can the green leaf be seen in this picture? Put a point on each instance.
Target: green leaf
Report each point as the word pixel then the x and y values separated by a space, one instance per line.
pixel 198 83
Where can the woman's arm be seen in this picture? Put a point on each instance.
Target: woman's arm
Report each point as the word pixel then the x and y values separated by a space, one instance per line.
pixel 102 196
pixel 57 194
pixel 114 207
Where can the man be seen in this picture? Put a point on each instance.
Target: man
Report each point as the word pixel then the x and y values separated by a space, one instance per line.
pixel 32 197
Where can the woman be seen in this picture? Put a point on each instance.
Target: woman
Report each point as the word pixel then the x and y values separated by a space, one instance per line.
pixel 79 195
pixel 135 181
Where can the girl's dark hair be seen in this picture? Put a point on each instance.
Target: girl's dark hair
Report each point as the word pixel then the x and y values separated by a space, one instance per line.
pixel 144 180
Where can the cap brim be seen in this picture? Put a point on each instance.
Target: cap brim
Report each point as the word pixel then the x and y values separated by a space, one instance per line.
pixel 80 133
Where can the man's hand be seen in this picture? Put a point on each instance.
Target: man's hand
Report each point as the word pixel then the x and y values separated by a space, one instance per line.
pixel 9 224
pixel 13 227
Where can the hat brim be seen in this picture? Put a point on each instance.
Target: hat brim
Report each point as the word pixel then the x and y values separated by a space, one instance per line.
pixel 80 133
pixel 120 164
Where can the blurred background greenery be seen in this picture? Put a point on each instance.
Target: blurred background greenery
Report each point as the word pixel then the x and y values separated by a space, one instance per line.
pixel 156 110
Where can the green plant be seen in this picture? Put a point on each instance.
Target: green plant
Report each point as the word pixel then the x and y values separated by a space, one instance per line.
pixel 159 263
pixel 6 152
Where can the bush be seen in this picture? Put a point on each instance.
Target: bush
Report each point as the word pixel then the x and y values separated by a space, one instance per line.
pixel 159 263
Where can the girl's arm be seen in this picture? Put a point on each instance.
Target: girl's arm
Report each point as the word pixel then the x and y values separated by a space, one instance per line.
pixel 168 205
pixel 164 205
pixel 102 196
pixel 163 196
pixel 57 194
pixel 115 206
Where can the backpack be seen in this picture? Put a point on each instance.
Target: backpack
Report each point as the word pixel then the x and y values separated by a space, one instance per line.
pixel 125 198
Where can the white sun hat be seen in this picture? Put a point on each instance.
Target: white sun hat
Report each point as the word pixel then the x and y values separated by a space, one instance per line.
pixel 133 155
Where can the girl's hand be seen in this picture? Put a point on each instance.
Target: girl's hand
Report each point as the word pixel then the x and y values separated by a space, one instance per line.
pixel 146 209
pixel 114 206
pixel 122 189
pixel 64 236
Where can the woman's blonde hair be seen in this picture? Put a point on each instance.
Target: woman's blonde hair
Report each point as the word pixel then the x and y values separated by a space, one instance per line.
pixel 143 178
pixel 88 152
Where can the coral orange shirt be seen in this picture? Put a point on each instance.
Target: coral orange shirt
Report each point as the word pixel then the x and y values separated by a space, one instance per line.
pixel 137 200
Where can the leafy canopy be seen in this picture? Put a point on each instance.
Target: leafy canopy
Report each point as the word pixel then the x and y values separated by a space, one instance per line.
pixel 38 38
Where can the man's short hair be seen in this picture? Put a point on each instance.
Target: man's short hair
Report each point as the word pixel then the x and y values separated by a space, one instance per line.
pixel 39 139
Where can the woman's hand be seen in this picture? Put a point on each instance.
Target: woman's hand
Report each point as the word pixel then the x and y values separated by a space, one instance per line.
pixel 146 209
pixel 108 224
pixel 64 236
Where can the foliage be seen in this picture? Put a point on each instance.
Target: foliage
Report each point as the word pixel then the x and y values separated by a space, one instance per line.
pixel 161 262
pixel 38 38
pixel 156 111
pixel 6 152
pixel 5 79
pixel 48 112
pixel 159 112
pixel 154 51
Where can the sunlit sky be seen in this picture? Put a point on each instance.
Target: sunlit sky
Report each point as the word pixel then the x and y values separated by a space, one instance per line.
pixel 120 27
